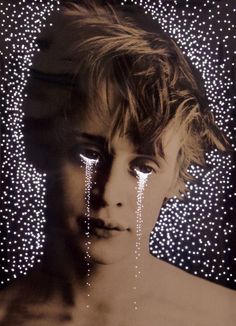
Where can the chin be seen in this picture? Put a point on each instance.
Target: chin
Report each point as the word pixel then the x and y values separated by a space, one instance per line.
pixel 106 251
pixel 102 256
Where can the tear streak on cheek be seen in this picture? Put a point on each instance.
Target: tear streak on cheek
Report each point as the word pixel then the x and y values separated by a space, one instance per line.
pixel 89 170
pixel 141 183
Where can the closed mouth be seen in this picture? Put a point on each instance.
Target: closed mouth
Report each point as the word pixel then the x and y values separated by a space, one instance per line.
pixel 96 224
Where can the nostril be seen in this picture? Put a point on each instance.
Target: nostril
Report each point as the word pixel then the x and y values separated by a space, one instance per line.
pixel 119 204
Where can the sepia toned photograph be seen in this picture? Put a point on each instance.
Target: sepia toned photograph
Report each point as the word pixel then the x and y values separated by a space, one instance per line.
pixel 119 123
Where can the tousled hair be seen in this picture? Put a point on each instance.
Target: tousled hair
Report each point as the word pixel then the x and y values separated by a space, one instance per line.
pixel 155 83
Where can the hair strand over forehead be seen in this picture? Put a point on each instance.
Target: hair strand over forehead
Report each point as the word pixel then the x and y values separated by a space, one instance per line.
pixel 154 83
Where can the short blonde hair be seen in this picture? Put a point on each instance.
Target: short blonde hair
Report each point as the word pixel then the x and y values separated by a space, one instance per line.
pixel 155 82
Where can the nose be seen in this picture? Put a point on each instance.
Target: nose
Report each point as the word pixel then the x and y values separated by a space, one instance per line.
pixel 109 185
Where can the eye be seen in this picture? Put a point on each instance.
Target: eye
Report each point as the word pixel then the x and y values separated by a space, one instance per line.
pixel 143 166
pixel 90 154
pixel 145 169
pixel 84 155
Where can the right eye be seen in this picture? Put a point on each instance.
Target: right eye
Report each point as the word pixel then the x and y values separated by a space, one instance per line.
pixel 86 155
pixel 90 154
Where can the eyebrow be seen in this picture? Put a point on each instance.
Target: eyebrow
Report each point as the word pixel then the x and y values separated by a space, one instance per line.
pixel 102 142
pixel 93 138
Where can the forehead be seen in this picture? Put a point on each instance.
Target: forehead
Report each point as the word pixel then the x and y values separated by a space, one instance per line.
pixel 96 116
pixel 98 127
pixel 90 103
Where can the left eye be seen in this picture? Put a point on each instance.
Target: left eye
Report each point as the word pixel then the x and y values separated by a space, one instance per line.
pixel 145 169
pixel 142 168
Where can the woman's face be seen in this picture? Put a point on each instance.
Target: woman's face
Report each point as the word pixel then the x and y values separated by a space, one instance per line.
pixel 111 193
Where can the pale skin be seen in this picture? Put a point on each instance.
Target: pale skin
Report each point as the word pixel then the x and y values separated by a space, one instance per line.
pixel 164 295
pixel 162 292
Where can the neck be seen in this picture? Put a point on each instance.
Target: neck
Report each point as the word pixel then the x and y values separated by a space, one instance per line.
pixel 120 281
pixel 70 268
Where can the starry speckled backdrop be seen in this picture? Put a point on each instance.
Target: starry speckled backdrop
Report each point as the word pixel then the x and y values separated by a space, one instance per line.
pixel 197 234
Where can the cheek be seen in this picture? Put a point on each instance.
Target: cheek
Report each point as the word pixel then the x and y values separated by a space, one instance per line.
pixel 154 194
pixel 151 205
pixel 73 187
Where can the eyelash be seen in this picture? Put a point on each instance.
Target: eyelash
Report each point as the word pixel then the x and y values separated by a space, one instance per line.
pixel 80 153
pixel 91 155
pixel 138 168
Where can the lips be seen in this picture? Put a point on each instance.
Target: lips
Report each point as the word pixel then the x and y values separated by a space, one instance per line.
pixel 100 227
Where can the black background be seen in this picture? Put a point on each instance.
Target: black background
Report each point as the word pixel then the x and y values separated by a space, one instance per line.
pixel 145 20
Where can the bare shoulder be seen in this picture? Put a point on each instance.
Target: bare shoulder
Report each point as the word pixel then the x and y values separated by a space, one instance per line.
pixel 21 296
pixel 180 297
